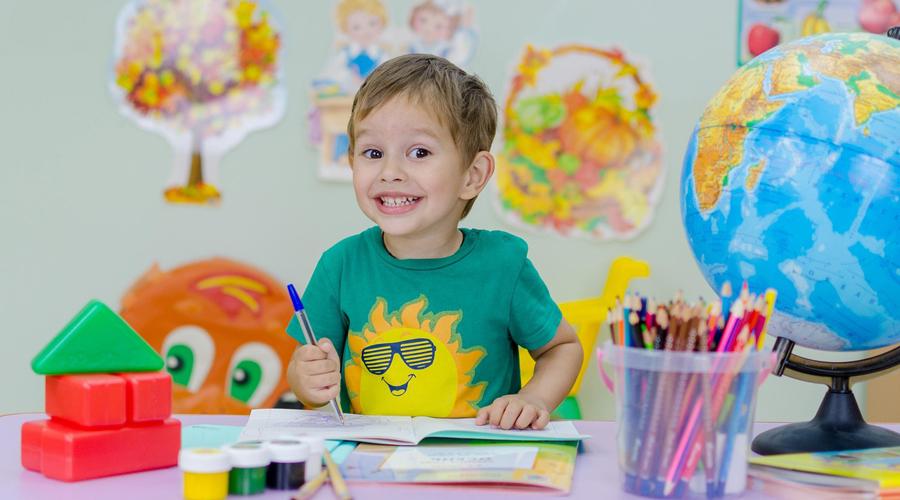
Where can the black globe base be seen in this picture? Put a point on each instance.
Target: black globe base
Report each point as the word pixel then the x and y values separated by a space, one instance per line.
pixel 837 426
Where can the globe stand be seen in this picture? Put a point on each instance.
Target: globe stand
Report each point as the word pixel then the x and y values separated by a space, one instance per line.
pixel 838 425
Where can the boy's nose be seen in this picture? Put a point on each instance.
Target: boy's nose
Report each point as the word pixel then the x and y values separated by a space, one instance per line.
pixel 392 172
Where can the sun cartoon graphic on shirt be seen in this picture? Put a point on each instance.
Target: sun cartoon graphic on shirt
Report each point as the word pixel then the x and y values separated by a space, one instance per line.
pixel 411 362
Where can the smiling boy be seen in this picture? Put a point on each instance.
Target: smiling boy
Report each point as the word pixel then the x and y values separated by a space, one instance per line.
pixel 419 316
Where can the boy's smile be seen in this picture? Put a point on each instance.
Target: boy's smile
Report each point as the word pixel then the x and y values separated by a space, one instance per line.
pixel 410 179
pixel 394 203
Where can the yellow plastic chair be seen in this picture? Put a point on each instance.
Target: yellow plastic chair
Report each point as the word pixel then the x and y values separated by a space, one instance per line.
pixel 587 317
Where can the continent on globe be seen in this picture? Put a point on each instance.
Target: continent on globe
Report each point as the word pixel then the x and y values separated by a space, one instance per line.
pixel 791 180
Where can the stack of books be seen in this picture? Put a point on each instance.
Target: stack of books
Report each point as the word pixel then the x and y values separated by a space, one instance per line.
pixel 872 473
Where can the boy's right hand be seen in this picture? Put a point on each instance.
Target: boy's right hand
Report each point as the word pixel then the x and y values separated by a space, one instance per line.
pixel 316 373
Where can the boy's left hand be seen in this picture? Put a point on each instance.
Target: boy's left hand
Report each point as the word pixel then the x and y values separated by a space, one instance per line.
pixel 518 411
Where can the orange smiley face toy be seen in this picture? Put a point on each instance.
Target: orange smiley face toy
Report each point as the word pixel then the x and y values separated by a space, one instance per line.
pixel 219 326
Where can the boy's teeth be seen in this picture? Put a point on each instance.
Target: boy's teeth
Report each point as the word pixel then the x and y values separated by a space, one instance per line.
pixel 397 201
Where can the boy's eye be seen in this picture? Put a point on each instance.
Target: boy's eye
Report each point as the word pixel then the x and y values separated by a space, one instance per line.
pixel 372 154
pixel 419 153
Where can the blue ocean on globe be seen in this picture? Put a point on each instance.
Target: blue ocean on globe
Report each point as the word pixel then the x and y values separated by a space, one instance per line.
pixel 791 181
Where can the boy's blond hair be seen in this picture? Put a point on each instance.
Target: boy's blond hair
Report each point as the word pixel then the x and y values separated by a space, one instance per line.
pixel 347 7
pixel 459 100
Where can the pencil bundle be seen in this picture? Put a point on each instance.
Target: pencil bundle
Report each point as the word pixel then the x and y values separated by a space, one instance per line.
pixel 686 383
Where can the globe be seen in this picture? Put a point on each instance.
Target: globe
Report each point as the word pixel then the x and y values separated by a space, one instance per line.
pixel 790 181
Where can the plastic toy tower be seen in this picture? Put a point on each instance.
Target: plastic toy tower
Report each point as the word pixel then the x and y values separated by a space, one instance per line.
pixel 109 404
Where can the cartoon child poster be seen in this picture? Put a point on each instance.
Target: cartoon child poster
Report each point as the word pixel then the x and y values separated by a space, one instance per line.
pixel 365 38
pixel 443 28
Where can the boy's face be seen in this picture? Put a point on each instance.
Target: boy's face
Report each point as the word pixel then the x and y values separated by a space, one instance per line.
pixel 408 175
pixel 363 27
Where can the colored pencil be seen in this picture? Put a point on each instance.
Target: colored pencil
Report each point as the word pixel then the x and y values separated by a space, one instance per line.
pixel 670 417
pixel 708 440
pixel 310 487
pixel 770 306
pixel 334 475
pixel 649 448
pixel 679 466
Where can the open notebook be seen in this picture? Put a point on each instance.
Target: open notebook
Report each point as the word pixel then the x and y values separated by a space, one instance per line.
pixel 272 423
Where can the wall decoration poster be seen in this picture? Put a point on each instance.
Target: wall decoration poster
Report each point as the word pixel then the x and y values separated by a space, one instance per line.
pixel 203 74
pixel 365 36
pixel 219 324
pixel 581 150
pixel 764 24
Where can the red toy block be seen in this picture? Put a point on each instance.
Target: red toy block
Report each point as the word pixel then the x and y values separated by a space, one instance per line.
pixel 90 400
pixel 68 453
pixel 31 444
pixel 148 396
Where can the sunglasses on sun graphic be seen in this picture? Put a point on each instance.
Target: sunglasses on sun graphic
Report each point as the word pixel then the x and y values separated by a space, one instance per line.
pixel 416 353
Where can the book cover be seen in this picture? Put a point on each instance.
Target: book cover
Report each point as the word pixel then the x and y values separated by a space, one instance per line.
pixel 881 465
pixel 546 466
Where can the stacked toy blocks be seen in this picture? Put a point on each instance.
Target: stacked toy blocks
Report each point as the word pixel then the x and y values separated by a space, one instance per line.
pixel 109 404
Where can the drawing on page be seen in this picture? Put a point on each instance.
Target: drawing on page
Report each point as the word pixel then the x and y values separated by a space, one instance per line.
pixel 327 420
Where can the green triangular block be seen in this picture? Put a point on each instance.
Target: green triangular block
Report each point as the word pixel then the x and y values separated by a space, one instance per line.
pixel 97 340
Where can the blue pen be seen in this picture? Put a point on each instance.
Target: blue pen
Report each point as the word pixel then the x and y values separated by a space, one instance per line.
pixel 310 337
pixel 737 421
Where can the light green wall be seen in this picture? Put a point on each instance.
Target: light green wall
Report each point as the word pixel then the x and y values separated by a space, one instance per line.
pixel 81 214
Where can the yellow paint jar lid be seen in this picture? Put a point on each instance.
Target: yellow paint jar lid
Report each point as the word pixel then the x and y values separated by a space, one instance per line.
pixel 204 460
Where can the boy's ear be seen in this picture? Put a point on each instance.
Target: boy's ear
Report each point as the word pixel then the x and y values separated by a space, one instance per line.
pixel 477 175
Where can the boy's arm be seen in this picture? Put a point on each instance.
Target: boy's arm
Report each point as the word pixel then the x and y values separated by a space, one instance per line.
pixel 556 366
pixel 314 372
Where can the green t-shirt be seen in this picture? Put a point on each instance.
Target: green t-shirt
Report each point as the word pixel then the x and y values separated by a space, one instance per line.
pixel 434 337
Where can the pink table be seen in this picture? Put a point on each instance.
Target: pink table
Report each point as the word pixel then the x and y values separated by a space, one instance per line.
pixel 595 473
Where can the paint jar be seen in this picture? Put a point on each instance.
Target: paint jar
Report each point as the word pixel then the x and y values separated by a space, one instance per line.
pixel 205 473
pixel 287 471
pixel 316 449
pixel 249 461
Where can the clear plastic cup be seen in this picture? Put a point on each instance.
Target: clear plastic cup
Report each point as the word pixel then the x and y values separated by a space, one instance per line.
pixel 684 419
